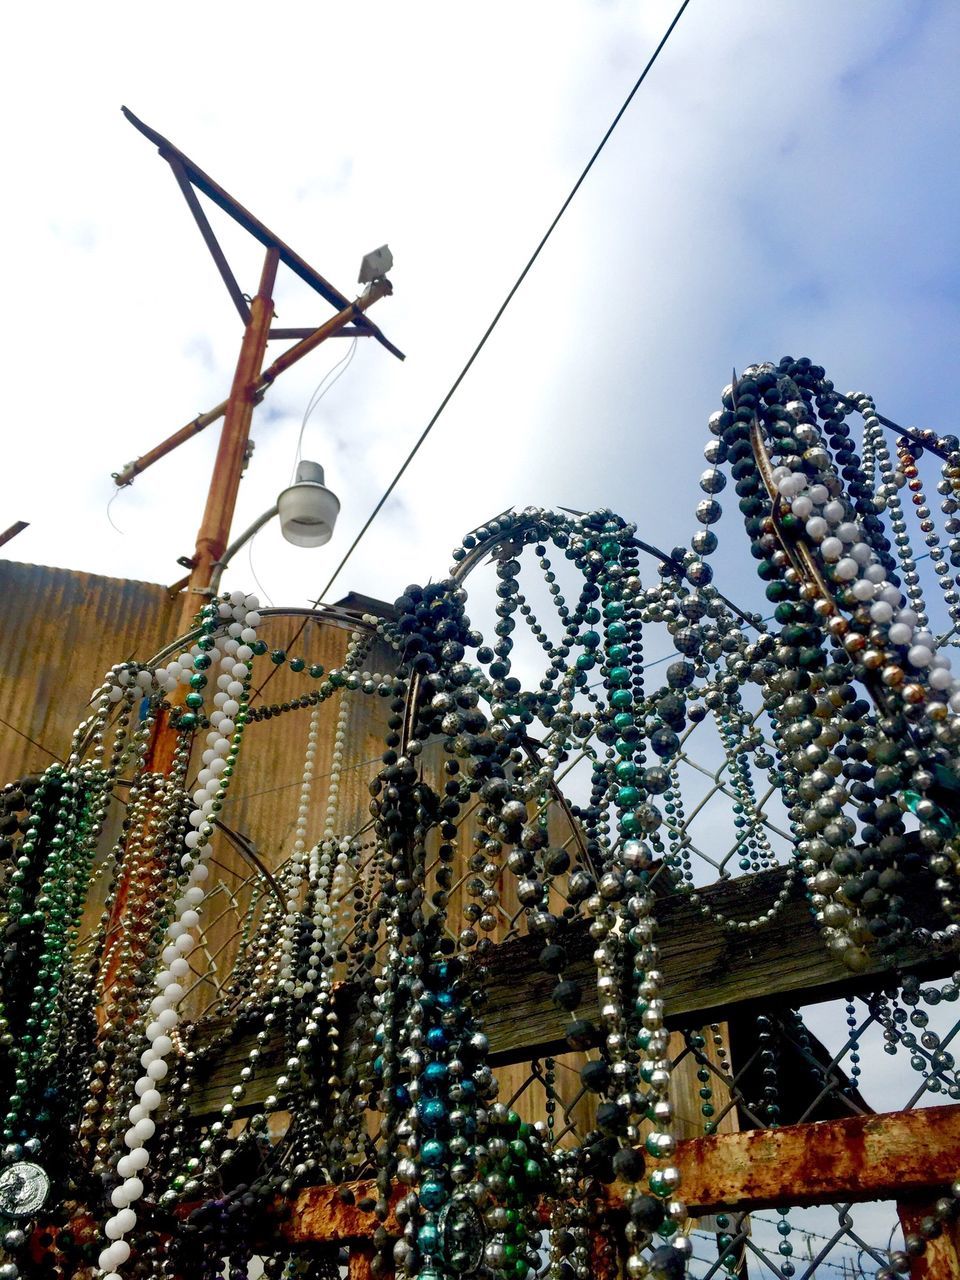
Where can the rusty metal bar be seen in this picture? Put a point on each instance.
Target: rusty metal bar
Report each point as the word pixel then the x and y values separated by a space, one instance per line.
pixel 128 474
pixel 211 542
pixel 352 311
pixel 210 240
pixel 907 1155
pixel 254 226
pixel 857 1159
pixel 350 332
pixel 604 1256
pixel 360 1263
pixel 941 1258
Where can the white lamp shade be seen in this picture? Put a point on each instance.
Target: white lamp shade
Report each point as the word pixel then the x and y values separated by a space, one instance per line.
pixel 308 510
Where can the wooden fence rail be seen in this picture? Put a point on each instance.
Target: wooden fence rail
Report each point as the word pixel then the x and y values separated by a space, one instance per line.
pixel 710 973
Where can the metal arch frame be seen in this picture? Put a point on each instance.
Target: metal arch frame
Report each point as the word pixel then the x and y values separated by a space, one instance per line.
pixel 340 618
pixel 460 572
pixel 326 613
pixel 476 554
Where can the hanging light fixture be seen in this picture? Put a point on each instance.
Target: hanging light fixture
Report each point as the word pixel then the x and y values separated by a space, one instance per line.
pixel 308 509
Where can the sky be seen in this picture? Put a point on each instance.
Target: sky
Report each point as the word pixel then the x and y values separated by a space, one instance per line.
pixel 784 182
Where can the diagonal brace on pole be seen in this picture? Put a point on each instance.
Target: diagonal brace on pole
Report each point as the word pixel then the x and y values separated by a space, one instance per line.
pixel 196 178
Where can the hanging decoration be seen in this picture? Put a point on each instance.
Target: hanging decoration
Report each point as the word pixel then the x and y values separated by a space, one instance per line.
pixel 844 704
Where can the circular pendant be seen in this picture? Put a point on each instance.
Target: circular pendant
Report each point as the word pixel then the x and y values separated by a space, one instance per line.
pixel 462 1235
pixel 24 1188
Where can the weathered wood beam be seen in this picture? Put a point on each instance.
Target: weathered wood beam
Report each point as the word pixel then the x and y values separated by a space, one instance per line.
pixel 853 1160
pixel 709 973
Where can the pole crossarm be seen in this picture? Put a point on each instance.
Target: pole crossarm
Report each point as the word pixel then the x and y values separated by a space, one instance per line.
pixel 310 339
pixel 210 240
pixel 183 165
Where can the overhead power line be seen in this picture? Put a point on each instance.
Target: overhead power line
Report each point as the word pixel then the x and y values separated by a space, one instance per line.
pixel 506 302
pixel 500 310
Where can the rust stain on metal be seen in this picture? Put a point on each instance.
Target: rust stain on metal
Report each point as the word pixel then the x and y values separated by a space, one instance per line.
pixel 604 1258
pixel 222 497
pixel 360 1264
pixel 860 1158
pixel 320 1214
pixel 941 1257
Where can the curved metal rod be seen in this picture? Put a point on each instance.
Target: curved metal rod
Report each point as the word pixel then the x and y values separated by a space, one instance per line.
pixel 798 552
pixel 338 618
pixel 908 432
pixel 331 615
pixel 800 555
pixel 474 556
pixel 325 613
pixel 220 565
pixel 466 566
pixel 246 850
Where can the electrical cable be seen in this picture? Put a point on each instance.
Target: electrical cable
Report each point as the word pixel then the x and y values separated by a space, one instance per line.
pixel 323 386
pixel 507 300
pixel 33 742
pixel 499 313
pixel 113 525
pixel 253 573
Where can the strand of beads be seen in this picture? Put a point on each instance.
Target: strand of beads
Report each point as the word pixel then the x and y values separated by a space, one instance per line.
pixel 659 1212
pixel 295 870
pixel 333 856
pixel 909 470
pixel 418 1054
pixel 318 978
pixel 890 480
pixel 51 879
pixel 214 781
pixel 948 486
pixel 882 640
pixel 288 983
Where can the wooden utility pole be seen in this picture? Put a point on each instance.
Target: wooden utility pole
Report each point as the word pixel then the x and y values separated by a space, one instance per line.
pixel 231 455
pixel 250 381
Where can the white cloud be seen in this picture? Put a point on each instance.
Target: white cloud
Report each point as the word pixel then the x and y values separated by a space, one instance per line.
pixel 778 184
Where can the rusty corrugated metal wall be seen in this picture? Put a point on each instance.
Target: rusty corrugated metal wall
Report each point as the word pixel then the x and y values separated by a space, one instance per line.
pixel 59 632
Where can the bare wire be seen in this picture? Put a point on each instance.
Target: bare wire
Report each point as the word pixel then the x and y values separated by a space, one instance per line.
pixel 114 526
pixel 323 386
pixel 253 573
